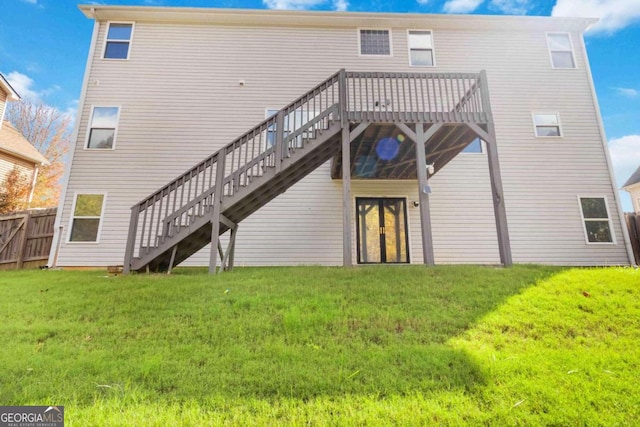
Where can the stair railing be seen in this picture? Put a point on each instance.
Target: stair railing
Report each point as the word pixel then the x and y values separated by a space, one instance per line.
pixel 178 204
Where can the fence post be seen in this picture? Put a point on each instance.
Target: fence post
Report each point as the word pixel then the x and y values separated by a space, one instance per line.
pixel 22 247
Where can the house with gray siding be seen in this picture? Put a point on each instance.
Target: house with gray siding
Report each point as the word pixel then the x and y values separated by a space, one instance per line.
pixel 336 138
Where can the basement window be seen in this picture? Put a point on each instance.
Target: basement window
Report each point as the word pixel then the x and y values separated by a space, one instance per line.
pixel 86 218
pixel 421 48
pixel 102 131
pixel 118 40
pixel 547 124
pixel 595 216
pixel 375 42
pixel 560 50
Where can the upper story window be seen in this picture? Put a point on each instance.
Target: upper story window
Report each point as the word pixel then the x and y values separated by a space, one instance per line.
pixel 561 50
pixel 375 42
pixel 421 48
pixel 595 215
pixel 547 124
pixel 102 130
pixel 86 218
pixel 118 41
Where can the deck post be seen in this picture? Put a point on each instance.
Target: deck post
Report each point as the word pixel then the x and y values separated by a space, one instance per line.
pixel 347 241
pixel 279 153
pixel 497 192
pixel 215 216
pixel 423 190
pixel 131 239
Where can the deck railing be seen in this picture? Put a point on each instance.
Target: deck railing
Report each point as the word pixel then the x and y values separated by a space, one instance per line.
pixel 346 96
pixel 415 97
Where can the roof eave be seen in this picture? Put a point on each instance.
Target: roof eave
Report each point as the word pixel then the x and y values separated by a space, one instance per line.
pixel 266 17
pixel 12 95
pixel 39 162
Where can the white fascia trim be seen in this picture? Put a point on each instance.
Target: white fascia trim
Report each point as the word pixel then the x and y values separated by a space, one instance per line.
pixel 58 232
pixel 605 149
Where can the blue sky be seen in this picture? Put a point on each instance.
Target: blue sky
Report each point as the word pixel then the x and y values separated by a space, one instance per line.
pixel 44 45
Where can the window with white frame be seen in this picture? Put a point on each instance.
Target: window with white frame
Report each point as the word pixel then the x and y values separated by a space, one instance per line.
pixel 421 48
pixel 561 50
pixel 87 214
pixel 375 42
pixel 292 122
pixel 102 129
pixel 547 124
pixel 595 216
pixel 118 40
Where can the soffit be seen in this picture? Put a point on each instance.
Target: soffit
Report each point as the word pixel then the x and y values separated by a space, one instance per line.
pixel 251 17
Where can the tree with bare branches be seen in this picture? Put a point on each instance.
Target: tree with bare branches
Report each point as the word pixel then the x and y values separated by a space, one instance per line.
pixel 49 131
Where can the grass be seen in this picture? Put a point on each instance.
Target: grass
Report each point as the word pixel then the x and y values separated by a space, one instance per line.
pixel 450 345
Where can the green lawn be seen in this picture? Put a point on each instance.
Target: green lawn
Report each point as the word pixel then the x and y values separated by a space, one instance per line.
pixel 450 345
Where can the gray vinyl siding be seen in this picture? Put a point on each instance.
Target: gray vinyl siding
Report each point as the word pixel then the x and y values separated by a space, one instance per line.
pixel 180 101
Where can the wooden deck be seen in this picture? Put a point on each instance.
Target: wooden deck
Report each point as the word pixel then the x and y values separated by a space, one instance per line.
pixel 430 117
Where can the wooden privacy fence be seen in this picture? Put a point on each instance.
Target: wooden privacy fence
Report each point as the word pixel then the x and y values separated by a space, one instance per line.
pixel 633 223
pixel 25 238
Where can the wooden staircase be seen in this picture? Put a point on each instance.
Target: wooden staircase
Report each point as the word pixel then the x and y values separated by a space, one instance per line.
pixel 175 222
pixel 214 196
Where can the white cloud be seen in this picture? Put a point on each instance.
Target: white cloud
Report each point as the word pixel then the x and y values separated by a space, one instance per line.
pixel 341 5
pixel 423 1
pixel 614 14
pixel 31 1
pixel 461 6
pixel 292 4
pixel 511 7
pixel 625 156
pixel 628 92
pixel 22 84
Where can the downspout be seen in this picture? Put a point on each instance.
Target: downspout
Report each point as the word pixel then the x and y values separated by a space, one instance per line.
pixel 605 148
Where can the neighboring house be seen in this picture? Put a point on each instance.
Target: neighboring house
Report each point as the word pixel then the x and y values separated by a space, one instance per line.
pixel 7 94
pixel 18 153
pixel 166 88
pixel 633 187
pixel 15 151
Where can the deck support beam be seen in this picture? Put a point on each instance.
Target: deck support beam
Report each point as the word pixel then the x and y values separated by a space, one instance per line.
pixel 423 190
pixel 500 213
pixel 215 216
pixel 347 241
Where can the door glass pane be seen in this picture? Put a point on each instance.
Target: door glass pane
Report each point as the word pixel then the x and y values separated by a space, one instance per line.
pixel 395 231
pixel 369 230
